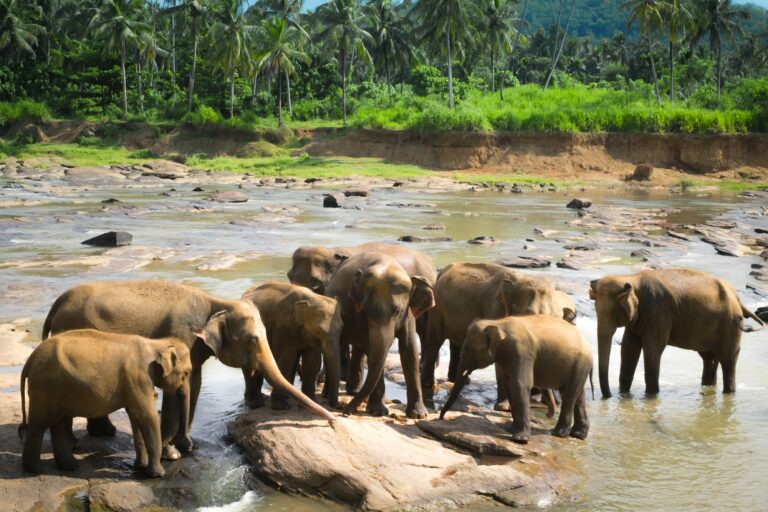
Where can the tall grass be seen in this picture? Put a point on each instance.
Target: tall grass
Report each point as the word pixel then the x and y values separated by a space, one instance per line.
pixel 23 110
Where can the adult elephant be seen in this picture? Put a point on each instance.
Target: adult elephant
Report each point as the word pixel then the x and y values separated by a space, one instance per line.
pixel 231 330
pixel 300 324
pixel 379 300
pixel 678 307
pixel 465 292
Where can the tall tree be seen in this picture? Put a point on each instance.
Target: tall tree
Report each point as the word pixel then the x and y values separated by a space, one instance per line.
pixel 20 30
pixel 390 39
pixel 343 22
pixel 717 20
pixel 648 13
pixel 118 23
pixel 559 49
pixel 676 18
pixel 229 39
pixel 450 21
pixel 279 55
pixel 499 27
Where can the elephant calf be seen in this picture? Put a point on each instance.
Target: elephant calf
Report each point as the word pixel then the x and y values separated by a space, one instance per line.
pixel 299 323
pixel 534 350
pixel 92 373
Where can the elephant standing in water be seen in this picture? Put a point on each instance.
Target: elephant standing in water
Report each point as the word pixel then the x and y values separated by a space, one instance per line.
pixel 300 324
pixel 678 307
pixel 229 329
pixel 465 292
pixel 379 301
pixel 531 350
pixel 92 373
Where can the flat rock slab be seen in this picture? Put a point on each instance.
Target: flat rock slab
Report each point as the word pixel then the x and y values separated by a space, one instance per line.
pixel 375 463
pixel 165 169
pixel 230 196
pixel 525 262
pixel 476 434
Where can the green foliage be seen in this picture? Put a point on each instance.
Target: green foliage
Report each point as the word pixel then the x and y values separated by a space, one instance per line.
pixel 24 110
pixel 203 116
pixel 427 80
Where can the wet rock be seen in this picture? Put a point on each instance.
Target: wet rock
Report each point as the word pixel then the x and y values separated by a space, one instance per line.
pixel 198 189
pixel 111 200
pixel 643 172
pixel 679 236
pixel 579 204
pixel 525 262
pixel 582 246
pixel 482 240
pixel 312 180
pixel 764 254
pixel 282 210
pixel 398 184
pixel 165 169
pixel 755 194
pixel 110 239
pixel 356 192
pixel 333 200
pixel 229 196
pixel 121 496
pixel 642 253
pixel 93 176
pixel 434 227
pixel 370 463
pixel 412 205
pixel 761 231
pixel 762 313
pixel 474 433
pixel 546 233
pixel 421 239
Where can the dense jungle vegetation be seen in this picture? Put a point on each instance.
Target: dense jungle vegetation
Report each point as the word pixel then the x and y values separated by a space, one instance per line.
pixel 690 66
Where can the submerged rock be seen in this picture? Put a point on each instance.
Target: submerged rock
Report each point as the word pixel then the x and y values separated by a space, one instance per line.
pixel 230 196
pixel 419 239
pixel 356 192
pixel 333 200
pixel 579 204
pixel 482 240
pixel 525 262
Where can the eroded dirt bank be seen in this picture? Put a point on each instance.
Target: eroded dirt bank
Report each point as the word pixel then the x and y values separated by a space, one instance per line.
pixel 567 153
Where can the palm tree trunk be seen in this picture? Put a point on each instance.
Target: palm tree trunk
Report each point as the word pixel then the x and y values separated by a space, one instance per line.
pixel 232 95
pixel 141 85
pixel 280 98
pixel 671 69
pixel 288 90
pixel 493 70
pixel 386 72
pixel 450 68
pixel 717 68
pixel 557 32
pixel 343 59
pixel 254 86
pixel 562 45
pixel 173 50
pixel 653 67
pixel 125 82
pixel 194 64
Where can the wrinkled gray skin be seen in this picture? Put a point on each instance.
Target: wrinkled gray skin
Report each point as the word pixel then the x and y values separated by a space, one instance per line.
pixel 678 307
pixel 300 324
pixel 465 292
pixel 314 267
pixel 229 329
pixel 380 300
pixel 93 373
pixel 532 350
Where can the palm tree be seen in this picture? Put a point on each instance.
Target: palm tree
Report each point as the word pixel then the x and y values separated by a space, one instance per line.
pixel 448 20
pixel 280 54
pixel 19 34
pixel 118 24
pixel 648 13
pixel 147 51
pixel 229 42
pixel 388 27
pixel 342 22
pixel 498 31
pixel 676 18
pixel 559 49
pixel 717 19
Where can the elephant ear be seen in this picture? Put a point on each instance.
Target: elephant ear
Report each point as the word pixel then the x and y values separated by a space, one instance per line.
pixel 164 363
pixel 493 338
pixel 338 259
pixel 593 289
pixel 299 312
pixel 422 296
pixel 505 294
pixel 569 315
pixel 356 292
pixel 629 302
pixel 214 332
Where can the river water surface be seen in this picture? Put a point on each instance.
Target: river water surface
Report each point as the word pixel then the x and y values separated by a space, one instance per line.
pixel 688 448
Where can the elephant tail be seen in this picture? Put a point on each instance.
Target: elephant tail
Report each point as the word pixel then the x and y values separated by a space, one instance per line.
pixel 749 314
pixel 49 319
pixel 592 384
pixel 22 387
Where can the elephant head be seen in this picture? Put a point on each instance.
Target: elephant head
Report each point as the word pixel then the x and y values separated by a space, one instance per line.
pixel 385 294
pixel 319 320
pixel 478 351
pixel 237 337
pixel 617 305
pixel 313 267
pixel 170 372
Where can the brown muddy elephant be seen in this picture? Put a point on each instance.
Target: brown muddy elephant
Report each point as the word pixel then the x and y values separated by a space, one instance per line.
pixel 531 350
pixel 92 373
pixel 159 309
pixel 313 267
pixel 465 292
pixel 379 301
pixel 678 307
pixel 300 324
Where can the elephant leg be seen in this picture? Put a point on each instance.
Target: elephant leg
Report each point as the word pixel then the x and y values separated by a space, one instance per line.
pixel 580 421
pixel 518 385
pixel 139 446
pixel 355 370
pixel 253 396
pixel 33 444
pixel 375 406
pixel 570 395
pixel 430 349
pixel 409 358
pixel 345 358
pixel 149 426
pixel 630 356
pixel 199 353
pixel 72 438
pixel 169 426
pixel 502 393
pixel 729 373
pixel 311 361
pixel 709 373
pixel 62 445
pixel 286 358
pixel 651 361
pixel 101 427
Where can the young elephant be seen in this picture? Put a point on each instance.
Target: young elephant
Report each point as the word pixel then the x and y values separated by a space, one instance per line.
pixel 299 323
pixel 92 373
pixel 535 350
pixel 678 307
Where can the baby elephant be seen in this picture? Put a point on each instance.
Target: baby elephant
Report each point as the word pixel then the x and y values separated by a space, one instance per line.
pixel 534 350
pixel 91 373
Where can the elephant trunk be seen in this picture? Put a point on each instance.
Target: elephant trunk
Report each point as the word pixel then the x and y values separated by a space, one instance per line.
pixel 332 355
pixel 461 381
pixel 380 339
pixel 267 366
pixel 604 341
pixel 183 441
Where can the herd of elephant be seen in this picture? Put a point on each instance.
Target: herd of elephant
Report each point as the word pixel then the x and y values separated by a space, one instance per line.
pixel 106 345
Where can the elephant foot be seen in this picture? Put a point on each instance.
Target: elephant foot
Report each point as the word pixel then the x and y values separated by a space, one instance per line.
pixel 101 427
pixel 579 433
pixel 35 468
pixel 184 444
pixel 560 432
pixel 154 471
pixel 255 402
pixel 170 453
pixel 69 464
pixel 140 465
pixel 418 412
pixel 279 404
pixel 377 409
pixel 520 435
pixel 502 405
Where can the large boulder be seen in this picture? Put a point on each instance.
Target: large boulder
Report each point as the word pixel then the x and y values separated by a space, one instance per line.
pixel 165 169
pixel 643 172
pixel 229 196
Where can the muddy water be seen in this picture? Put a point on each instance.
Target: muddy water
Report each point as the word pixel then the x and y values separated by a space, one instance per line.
pixel 688 448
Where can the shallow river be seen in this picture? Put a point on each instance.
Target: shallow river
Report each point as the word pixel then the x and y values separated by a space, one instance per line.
pixel 690 448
